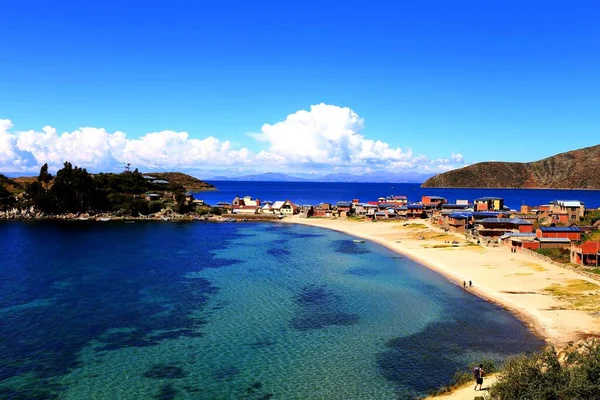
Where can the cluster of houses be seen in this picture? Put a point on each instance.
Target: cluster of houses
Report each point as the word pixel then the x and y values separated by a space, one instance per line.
pixel 556 225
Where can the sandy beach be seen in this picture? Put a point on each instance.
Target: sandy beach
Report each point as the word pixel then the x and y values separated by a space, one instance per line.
pixel 558 304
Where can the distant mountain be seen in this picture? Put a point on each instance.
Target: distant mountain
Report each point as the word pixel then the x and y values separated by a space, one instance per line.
pixel 577 169
pixel 376 177
pixel 265 177
pixel 372 177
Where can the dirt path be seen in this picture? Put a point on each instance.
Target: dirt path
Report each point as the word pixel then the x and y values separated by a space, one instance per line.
pixel 466 392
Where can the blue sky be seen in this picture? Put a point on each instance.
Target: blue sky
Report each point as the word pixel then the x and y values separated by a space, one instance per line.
pixel 481 80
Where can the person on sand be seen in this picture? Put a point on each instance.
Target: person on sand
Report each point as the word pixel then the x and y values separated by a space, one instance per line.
pixel 478 374
pixel 464 284
pixel 470 284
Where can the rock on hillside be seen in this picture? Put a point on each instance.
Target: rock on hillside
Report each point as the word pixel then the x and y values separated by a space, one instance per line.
pixel 577 169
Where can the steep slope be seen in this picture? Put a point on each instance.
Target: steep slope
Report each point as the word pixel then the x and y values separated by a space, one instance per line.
pixel 577 169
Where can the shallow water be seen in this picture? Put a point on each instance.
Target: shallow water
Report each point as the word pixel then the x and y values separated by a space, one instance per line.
pixel 230 311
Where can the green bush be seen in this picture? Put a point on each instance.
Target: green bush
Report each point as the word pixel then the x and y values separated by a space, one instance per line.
pixel 543 376
pixel 155 206
pixel 558 255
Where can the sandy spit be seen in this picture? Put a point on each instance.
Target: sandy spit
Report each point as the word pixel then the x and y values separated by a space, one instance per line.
pixel 516 281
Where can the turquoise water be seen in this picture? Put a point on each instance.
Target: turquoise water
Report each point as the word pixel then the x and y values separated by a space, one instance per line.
pixel 230 311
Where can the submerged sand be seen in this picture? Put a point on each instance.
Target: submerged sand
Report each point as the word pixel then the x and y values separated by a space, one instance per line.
pixel 558 304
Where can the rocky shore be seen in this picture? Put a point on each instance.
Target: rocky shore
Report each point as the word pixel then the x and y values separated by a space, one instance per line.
pixel 164 215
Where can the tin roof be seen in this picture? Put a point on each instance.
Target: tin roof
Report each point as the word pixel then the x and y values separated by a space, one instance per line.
pixel 553 240
pixel 485 214
pixel 559 229
pixel 515 221
pixel 488 198
pixel 461 215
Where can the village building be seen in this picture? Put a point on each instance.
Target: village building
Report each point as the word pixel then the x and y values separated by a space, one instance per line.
pixel 553 243
pixel 526 217
pixel 586 254
pixel 488 204
pixel 455 206
pixel 574 209
pixel 284 208
pixel 518 240
pixel 343 209
pixel 393 200
pixel 480 215
pixel 305 209
pixel 491 228
pixel 433 201
pixel 458 221
pixel 153 196
pixel 322 210
pixel 245 205
pixel 415 210
pixel 573 233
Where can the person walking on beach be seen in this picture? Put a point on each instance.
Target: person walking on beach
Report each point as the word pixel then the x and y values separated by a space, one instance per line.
pixel 464 284
pixel 478 374
pixel 470 284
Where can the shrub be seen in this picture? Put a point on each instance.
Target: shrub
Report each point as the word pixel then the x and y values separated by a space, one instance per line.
pixel 155 206
pixel 558 255
pixel 542 376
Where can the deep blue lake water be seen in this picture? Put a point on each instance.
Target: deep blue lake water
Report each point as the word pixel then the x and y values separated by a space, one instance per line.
pixel 252 311
pixel 317 192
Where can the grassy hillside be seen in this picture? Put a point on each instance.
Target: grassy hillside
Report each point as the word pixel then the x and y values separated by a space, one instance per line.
pixel 188 182
pixel 575 169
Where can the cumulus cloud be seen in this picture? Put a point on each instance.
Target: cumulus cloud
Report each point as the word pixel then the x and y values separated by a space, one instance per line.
pixel 97 149
pixel 325 137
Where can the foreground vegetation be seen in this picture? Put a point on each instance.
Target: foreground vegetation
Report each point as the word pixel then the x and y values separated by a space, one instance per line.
pixel 571 375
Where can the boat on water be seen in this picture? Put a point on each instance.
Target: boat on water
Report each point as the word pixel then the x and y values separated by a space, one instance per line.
pixel 358 241
pixel 103 219
pixel 165 218
pixel 82 219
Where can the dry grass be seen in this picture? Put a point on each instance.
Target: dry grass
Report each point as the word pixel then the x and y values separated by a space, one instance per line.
pixel 534 266
pixel 520 274
pixel 414 226
pixel 429 235
pixel 579 294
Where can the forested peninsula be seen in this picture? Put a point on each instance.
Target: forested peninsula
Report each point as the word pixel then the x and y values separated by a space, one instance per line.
pixel 74 192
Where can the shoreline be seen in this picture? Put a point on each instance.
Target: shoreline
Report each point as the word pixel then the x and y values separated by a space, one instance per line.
pixel 499 277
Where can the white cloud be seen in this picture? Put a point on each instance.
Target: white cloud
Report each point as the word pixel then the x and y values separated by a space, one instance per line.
pixel 326 137
pixel 457 158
